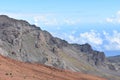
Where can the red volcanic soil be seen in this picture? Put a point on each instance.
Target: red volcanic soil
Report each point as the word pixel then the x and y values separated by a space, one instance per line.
pixel 15 70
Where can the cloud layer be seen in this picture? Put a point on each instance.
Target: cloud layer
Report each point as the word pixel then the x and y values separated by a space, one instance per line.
pixel 101 41
pixel 113 41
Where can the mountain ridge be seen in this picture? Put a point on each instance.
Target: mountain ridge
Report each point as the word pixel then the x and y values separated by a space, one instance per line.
pixel 22 41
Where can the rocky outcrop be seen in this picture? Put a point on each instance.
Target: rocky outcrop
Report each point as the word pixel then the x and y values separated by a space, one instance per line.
pixel 95 58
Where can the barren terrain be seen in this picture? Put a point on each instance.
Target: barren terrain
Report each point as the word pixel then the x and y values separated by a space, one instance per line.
pixel 15 70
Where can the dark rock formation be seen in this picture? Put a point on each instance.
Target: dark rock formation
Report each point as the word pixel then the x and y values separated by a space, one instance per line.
pixel 96 58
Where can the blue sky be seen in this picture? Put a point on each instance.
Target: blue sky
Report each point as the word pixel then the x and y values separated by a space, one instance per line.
pixel 95 22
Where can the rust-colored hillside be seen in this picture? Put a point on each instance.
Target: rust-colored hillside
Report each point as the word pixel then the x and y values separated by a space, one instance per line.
pixel 15 70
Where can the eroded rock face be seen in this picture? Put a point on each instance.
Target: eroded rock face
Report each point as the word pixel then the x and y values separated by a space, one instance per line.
pixel 95 58
pixel 86 48
pixel 25 42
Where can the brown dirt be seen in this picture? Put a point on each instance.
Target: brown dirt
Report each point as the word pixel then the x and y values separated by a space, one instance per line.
pixel 15 70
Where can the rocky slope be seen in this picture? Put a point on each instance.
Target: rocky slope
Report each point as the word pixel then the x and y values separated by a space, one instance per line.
pixel 114 59
pixel 115 62
pixel 15 70
pixel 22 41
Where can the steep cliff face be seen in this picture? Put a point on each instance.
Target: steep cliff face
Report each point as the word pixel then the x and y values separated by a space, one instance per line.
pixel 95 58
pixel 25 42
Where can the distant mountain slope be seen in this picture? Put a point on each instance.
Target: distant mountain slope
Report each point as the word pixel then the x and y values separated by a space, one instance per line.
pixel 15 70
pixel 22 41
pixel 114 59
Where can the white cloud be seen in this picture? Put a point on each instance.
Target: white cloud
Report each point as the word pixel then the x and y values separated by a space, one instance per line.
pixel 36 19
pixel 101 41
pixel 71 21
pixel 72 38
pixel 47 20
pixel 109 20
pixel 114 19
pixel 118 13
pixel 73 32
pixel 55 20
pixel 91 37
pixel 113 41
